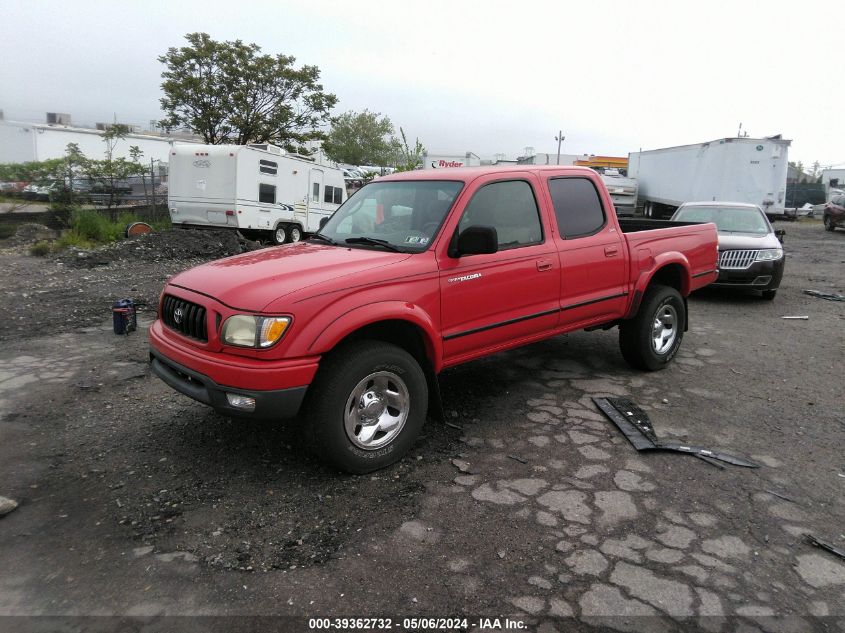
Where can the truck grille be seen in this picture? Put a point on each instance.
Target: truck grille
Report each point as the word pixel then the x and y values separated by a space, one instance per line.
pixel 185 317
pixel 736 260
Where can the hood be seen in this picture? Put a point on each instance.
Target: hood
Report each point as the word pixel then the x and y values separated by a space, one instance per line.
pixel 747 241
pixel 251 281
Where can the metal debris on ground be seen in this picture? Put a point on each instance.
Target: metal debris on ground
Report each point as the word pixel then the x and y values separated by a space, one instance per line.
pixel 780 496
pixel 795 318
pixel 830 296
pixel 518 459
pixel 812 540
pixel 636 426
pixel 454 426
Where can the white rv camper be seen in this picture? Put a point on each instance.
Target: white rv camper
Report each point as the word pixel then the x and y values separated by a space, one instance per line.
pixel 257 189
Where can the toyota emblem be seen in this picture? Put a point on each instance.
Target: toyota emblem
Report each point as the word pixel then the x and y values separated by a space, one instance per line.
pixel 177 315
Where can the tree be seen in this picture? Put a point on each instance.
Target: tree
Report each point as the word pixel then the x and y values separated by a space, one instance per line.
pixel 408 159
pixel 228 92
pixel 361 138
pixel 110 174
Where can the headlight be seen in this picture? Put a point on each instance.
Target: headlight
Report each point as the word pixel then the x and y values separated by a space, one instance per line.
pixel 245 330
pixel 769 254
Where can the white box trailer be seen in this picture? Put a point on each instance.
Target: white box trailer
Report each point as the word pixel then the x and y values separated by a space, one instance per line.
pixel 749 170
pixel 257 189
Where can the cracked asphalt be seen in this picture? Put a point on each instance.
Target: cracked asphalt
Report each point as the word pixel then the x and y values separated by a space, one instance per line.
pixel 528 502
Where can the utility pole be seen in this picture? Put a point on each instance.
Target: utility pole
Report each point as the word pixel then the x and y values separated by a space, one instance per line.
pixel 559 138
pixel 153 188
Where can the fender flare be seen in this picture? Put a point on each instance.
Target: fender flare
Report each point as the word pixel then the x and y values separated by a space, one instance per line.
pixel 657 264
pixel 393 310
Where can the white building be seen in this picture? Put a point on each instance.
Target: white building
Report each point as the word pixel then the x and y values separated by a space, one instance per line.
pixel 24 142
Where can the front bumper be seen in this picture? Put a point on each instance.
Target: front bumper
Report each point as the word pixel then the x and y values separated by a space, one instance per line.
pixel 271 404
pixel 759 276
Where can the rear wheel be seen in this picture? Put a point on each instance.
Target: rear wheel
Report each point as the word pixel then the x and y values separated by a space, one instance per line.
pixel 295 233
pixel 828 223
pixel 651 339
pixel 366 406
pixel 280 234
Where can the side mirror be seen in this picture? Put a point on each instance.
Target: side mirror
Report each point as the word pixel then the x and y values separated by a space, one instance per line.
pixel 476 240
pixel 780 233
pixel 323 221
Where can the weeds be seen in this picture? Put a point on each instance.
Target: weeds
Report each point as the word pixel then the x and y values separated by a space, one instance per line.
pixel 39 249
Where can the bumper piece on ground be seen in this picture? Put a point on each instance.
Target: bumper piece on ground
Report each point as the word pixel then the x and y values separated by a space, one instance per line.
pixel 636 426
pixel 277 404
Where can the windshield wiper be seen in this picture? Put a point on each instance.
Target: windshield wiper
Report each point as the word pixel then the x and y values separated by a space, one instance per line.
pixel 374 242
pixel 320 236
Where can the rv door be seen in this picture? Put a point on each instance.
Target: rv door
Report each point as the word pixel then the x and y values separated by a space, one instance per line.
pixel 315 200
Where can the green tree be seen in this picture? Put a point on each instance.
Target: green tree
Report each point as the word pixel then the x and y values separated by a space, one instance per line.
pixel 110 174
pixel 361 138
pixel 408 159
pixel 229 92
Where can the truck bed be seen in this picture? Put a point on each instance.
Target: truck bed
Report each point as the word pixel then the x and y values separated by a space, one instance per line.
pixel 633 225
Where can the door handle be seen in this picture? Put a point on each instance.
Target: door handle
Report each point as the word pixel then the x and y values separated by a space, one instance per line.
pixel 543 264
pixel 610 251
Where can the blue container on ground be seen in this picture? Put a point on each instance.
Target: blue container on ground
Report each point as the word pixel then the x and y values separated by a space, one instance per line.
pixel 123 316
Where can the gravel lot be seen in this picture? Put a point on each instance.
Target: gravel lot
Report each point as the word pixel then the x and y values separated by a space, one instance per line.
pixel 136 501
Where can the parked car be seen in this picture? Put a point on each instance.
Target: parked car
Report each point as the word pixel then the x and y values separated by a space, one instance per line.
pixel 415 273
pixel 750 250
pixel 30 191
pixel 834 213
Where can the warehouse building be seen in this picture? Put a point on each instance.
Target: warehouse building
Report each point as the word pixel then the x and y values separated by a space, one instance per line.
pixel 24 142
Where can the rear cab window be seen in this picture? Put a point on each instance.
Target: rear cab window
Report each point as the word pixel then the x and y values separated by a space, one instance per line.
pixel 578 208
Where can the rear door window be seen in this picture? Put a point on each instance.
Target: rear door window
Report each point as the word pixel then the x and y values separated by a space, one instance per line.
pixel 577 206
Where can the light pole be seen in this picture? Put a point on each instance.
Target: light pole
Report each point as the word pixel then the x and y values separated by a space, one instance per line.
pixel 559 138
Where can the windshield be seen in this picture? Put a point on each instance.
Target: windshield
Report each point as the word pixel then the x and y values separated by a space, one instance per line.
pixel 405 215
pixel 726 219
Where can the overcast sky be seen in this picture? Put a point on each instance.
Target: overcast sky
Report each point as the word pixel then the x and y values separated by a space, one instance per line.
pixel 485 77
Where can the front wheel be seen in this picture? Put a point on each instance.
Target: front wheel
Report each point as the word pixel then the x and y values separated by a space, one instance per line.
pixel 651 339
pixel 366 406
pixel 828 223
pixel 280 234
pixel 769 295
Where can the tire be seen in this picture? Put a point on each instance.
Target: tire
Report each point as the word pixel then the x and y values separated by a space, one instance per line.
pixel 829 224
pixel 279 234
pixel 351 376
pixel 643 345
pixel 294 233
pixel 769 295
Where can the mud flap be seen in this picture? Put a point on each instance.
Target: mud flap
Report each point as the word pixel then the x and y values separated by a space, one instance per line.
pixel 636 426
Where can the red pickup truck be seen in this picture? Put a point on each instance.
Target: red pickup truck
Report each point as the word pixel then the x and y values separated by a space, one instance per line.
pixel 415 273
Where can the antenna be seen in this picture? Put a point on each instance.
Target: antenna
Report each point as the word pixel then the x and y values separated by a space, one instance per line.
pixel 739 131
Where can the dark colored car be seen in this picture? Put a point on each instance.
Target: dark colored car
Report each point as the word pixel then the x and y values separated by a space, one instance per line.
pixel 750 252
pixel 834 213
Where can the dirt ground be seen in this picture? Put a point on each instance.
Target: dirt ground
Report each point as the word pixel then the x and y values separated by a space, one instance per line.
pixel 136 501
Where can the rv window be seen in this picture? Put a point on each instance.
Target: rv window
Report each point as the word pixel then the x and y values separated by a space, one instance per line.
pixel 338 195
pixel 267 193
pixel 329 194
pixel 268 167
pixel 316 194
